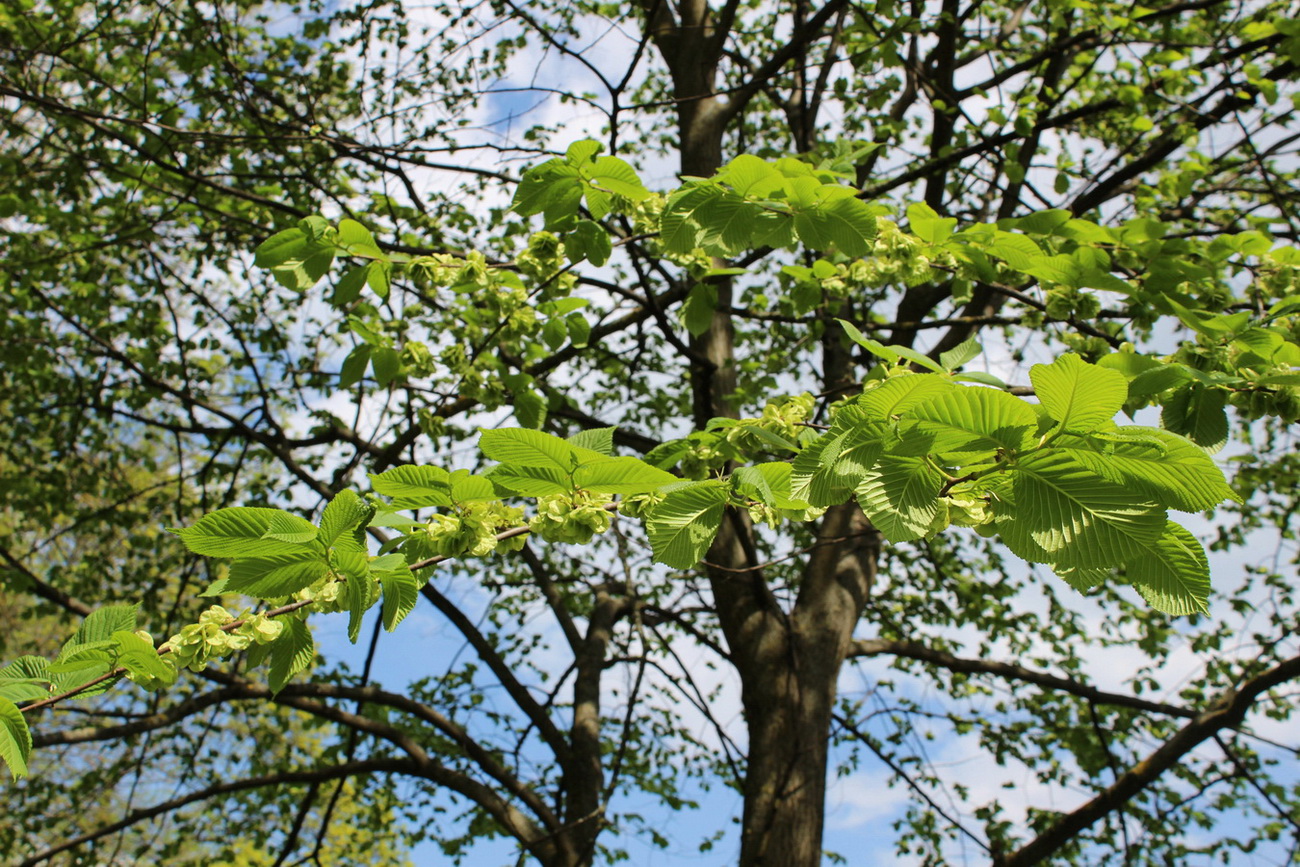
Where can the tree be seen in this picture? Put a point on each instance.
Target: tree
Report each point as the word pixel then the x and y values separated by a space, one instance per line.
pixel 867 192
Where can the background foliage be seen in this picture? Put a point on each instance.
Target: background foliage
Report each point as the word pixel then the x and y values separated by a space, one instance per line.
pixel 1098 178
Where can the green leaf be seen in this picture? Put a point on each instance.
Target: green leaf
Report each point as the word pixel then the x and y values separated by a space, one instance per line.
pixel 846 224
pixel 354 366
pixel 1175 472
pixel 682 526
pixel 15 739
pixel 414 487
pixel 387 364
pixel 1078 395
pixel 349 286
pixel 960 354
pixel 401 593
pixel 282 247
pixel 617 176
pixel 140 658
pixel 625 475
pixel 1083 579
pixel 1018 251
pixel 101 623
pixel 292 652
pixel 927 225
pixel 697 312
pixel 900 496
pixel 1197 413
pixel 469 488
pixel 680 226
pixel 1172 574
pixel 286 527
pixel 1072 515
pixel 599 439
pixel 235 532
pixel 826 471
pixel 360 592
pixel 532 448
pixel 356 240
pixel 531 481
pixel 280 575
pixel 972 419
pixel 346 513
pixel 898 394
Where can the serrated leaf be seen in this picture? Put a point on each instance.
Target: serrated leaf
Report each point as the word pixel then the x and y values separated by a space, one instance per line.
pixel 1178 474
pixel 356 240
pixel 624 475
pixel 530 481
pixel 346 513
pixel 285 527
pixel 600 439
pixel 469 488
pixel 1082 579
pixel 23 690
pixel 1078 395
pixel 101 623
pixel 401 593
pixel 292 652
pixel 828 469
pixel 960 354
pixel 140 658
pixel 273 577
pixel 683 525
pixel 1197 413
pixel 618 177
pixel 1018 251
pixel 900 496
pixel 360 592
pixel 1072 515
pixel 235 532
pixel 1172 574
pixel 927 225
pixel 532 448
pixel 973 419
pixel 846 224
pixel 898 394
pixel 681 225
pixel 414 487
pixel 15 739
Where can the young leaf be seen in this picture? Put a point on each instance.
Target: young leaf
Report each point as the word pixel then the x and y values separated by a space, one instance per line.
pixel 101 623
pixel 1177 473
pixel 272 577
pixel 469 488
pixel 290 653
pixel 973 419
pixel 1074 515
pixel 625 475
pixel 414 487
pixel 235 532
pixel 1173 574
pixel 683 524
pixel 1197 413
pixel 532 448
pixel 900 496
pixel 600 439
pixel 15 739
pixel 360 591
pixel 960 354
pixel 285 527
pixel 401 592
pixel 530 481
pixel 140 658
pixel 346 513
pixel 1079 396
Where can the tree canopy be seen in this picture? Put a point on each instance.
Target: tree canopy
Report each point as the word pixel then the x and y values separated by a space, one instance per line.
pixel 668 399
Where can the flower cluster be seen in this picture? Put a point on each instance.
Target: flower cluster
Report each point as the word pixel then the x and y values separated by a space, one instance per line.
pixel 199 643
pixel 573 518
